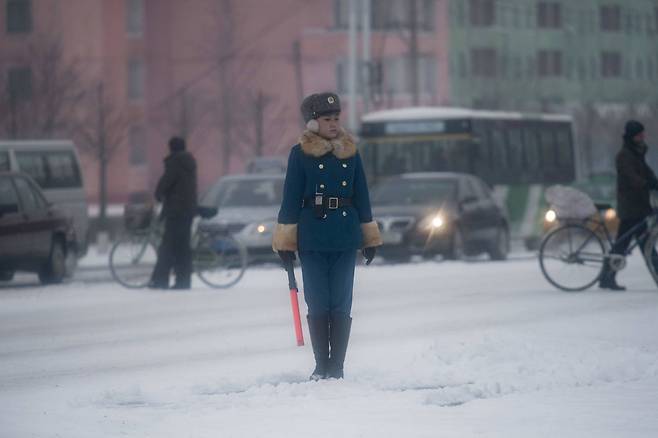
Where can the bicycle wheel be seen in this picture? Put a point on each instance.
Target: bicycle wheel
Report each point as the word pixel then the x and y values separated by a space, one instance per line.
pixel 571 257
pixel 220 261
pixel 132 260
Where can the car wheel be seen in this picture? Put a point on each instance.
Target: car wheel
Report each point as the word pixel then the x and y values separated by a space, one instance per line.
pixel 456 251
pixel 6 275
pixel 55 269
pixel 500 247
pixel 71 263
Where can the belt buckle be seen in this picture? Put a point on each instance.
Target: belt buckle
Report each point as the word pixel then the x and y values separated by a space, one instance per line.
pixel 333 203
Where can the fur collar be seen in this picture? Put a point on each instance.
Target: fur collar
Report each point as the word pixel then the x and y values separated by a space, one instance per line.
pixel 342 146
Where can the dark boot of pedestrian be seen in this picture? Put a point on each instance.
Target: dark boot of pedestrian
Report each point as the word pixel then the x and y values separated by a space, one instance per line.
pixel 318 328
pixel 338 339
pixel 608 279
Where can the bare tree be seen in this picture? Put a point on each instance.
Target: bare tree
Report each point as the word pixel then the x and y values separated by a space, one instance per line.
pixel 45 93
pixel 100 135
pixel 260 130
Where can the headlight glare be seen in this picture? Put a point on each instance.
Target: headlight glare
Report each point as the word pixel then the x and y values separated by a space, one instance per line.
pixel 550 216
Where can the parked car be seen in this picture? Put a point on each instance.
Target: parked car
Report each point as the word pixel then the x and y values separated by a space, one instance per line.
pixel 34 235
pixel 55 166
pixel 248 206
pixel 448 214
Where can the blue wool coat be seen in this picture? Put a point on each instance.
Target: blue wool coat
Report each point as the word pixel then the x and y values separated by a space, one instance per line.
pixel 335 173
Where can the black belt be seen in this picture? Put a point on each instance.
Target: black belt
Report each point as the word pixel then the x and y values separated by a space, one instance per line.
pixel 328 202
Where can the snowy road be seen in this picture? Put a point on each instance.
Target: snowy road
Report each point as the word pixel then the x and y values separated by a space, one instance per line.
pixel 438 349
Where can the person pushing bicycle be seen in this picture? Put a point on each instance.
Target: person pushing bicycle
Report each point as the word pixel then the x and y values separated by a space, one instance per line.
pixel 635 180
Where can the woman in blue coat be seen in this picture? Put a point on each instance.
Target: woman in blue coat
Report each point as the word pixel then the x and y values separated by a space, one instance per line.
pixel 326 217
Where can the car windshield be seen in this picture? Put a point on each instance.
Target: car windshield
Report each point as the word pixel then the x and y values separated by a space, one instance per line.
pixel 245 193
pixel 400 191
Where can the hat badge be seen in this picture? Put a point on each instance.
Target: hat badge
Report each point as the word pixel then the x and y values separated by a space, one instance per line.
pixel 331 99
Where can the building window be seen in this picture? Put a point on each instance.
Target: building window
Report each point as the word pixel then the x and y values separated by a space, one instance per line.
pixel 135 79
pixel 135 17
pixel 393 74
pixel 137 137
pixel 482 12
pixel 549 15
pixel 611 65
pixel 484 62
pixel 19 16
pixel 610 18
pixel 389 14
pixel 19 84
pixel 549 63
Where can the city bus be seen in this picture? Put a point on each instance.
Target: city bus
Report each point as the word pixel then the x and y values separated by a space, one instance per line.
pixel 517 154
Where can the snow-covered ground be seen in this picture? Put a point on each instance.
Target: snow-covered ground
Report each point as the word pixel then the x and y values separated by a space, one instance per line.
pixel 438 350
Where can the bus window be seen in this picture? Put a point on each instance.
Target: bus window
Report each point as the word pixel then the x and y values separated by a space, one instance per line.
pixel 498 149
pixel 564 154
pixel 393 159
pixel 514 148
pixel 531 149
pixel 4 161
pixel 548 153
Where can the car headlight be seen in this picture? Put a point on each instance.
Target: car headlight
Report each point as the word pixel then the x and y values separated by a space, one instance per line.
pixel 262 228
pixel 550 216
pixel 433 223
pixel 437 221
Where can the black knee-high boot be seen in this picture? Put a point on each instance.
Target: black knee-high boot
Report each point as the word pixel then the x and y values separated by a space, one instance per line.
pixel 338 339
pixel 318 328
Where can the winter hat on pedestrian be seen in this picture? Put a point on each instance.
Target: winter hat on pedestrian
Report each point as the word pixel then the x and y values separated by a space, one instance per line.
pixel 176 144
pixel 632 128
pixel 317 105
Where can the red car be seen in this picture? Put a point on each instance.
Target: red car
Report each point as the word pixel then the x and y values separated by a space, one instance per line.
pixel 34 236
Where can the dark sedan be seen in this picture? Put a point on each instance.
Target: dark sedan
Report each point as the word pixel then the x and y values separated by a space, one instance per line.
pixel 448 214
pixel 34 236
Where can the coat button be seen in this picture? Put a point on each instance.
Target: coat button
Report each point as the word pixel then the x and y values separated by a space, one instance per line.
pixel 344 213
pixel 321 166
pixel 344 166
pixel 322 186
pixel 344 183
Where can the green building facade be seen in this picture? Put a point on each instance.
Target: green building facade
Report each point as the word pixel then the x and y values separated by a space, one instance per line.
pixel 536 55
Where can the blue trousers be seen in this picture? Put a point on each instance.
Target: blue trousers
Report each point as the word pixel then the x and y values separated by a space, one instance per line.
pixel 328 282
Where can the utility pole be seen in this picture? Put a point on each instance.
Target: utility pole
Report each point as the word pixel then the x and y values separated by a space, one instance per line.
pixel 102 160
pixel 352 66
pixel 297 62
pixel 413 50
pixel 366 64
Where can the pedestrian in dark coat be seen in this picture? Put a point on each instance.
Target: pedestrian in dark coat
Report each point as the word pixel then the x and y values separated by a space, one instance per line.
pixel 635 179
pixel 325 215
pixel 177 190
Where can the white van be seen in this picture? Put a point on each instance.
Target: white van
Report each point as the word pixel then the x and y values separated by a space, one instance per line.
pixel 55 166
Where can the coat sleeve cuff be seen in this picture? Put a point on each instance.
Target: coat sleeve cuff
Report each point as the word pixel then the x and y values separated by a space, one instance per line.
pixel 371 236
pixel 285 237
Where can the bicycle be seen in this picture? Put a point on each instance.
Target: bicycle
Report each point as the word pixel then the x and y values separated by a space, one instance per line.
pixel 572 255
pixel 218 259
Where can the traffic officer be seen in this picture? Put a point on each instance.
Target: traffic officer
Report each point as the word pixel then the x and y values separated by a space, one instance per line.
pixel 325 215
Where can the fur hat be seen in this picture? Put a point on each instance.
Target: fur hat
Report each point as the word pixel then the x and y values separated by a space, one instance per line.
pixel 317 105
pixel 632 128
